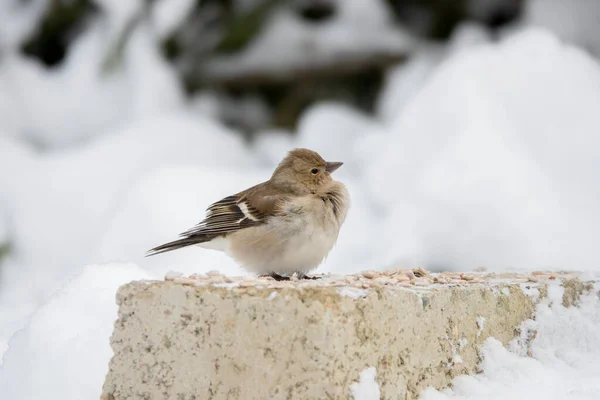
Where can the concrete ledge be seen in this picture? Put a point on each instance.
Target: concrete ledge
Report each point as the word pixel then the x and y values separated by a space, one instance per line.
pixel 213 337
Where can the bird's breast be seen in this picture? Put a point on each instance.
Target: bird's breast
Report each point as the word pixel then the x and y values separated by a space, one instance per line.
pixel 297 239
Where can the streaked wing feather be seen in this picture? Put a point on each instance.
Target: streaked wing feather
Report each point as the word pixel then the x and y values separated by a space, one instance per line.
pixel 227 215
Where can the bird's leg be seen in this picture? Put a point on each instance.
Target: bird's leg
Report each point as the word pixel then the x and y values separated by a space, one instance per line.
pixel 277 277
pixel 302 275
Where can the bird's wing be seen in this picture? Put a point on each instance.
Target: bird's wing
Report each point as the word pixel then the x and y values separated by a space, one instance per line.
pixel 243 210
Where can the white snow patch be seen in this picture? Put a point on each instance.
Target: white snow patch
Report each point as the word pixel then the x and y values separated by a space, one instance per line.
pixel 505 291
pixel 555 293
pixel 227 285
pixel 367 388
pixel 272 296
pixel 64 350
pixel 352 292
pixel 530 291
pixel 480 321
pixel 565 362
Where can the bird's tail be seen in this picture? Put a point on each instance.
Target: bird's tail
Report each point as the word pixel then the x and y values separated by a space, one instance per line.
pixel 178 244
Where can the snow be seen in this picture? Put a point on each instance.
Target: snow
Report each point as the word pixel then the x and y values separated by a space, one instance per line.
pixel 64 348
pixel 480 321
pixel 226 285
pixel 564 364
pixel 367 388
pixel 351 292
pixel 102 172
pixel 269 145
pixel 343 126
pixel 475 149
pixel 169 14
pixel 573 20
pixel 478 153
pixel 407 79
pixel 78 100
pixel 118 14
pixel 532 292
pixel 272 295
pixel 98 203
pixel 287 43
pixel 17 20
pixel 4 235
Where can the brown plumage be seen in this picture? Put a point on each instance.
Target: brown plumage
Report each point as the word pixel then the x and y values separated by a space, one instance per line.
pixel 269 223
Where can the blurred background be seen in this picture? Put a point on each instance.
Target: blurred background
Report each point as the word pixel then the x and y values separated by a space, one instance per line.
pixel 469 131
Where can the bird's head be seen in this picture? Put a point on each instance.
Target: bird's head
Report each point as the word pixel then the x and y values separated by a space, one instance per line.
pixel 304 170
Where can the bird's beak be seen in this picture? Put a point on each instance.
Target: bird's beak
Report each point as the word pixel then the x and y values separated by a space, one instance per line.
pixel 332 166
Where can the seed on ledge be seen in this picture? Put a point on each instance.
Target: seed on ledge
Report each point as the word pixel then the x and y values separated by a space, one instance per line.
pixel 421 282
pixel 370 274
pixel 383 280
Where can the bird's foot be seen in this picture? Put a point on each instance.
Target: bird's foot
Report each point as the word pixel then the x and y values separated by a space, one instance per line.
pixel 302 275
pixel 277 277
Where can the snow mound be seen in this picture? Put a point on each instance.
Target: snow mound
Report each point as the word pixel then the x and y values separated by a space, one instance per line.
pixel 500 142
pixel 565 363
pixel 80 99
pixel 64 350
pixel 62 204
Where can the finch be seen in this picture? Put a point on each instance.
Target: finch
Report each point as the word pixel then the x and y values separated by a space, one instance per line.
pixel 283 226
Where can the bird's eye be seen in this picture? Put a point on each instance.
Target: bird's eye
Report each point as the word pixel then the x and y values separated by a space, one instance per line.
pixel 314 171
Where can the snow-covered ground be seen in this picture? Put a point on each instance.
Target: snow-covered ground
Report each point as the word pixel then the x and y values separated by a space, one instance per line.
pixel 479 154
pixel 565 362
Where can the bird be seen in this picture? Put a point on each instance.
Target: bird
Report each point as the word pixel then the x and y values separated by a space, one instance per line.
pixel 284 226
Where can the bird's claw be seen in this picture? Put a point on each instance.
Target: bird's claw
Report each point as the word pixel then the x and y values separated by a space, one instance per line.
pixel 277 277
pixel 304 276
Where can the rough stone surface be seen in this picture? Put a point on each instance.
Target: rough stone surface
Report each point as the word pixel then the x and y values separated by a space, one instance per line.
pixel 216 337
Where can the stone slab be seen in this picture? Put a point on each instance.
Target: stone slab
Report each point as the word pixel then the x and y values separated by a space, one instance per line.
pixel 215 337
